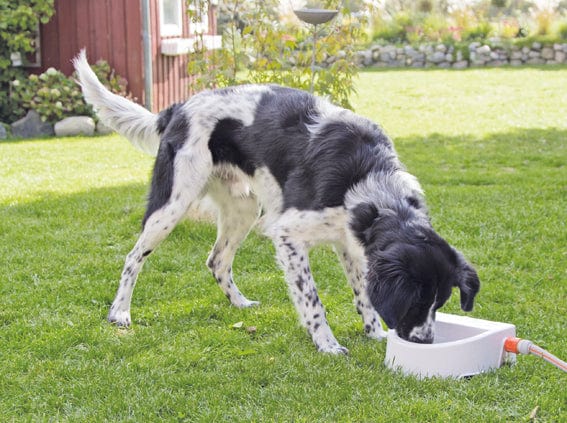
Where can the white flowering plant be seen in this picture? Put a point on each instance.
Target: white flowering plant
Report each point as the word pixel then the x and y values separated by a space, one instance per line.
pixel 55 96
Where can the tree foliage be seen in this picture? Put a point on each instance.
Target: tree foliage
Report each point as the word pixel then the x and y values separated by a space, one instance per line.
pixel 262 46
pixel 19 20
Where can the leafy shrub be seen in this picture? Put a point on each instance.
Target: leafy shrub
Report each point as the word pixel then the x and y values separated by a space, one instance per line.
pixel 55 96
pixel 435 28
pixel 19 20
pixel 395 30
pixel 259 47
pixel 479 32
pixel 562 31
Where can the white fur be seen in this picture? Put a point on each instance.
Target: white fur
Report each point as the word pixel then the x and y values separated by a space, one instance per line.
pixel 124 116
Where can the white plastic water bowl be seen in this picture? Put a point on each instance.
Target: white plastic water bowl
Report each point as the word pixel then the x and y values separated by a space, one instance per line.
pixel 462 347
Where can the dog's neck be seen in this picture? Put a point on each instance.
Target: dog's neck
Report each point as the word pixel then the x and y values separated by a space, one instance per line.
pixel 389 192
pixel 384 206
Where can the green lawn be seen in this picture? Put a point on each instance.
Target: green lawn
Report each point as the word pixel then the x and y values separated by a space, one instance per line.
pixel 490 149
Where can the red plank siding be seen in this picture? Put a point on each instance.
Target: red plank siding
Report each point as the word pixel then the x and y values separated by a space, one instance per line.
pixel 112 30
pixel 109 29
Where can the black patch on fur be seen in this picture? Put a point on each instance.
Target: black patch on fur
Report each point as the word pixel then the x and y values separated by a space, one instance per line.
pixel 226 145
pixel 413 202
pixel 338 157
pixel 165 116
pixel 362 218
pixel 174 136
pixel 313 171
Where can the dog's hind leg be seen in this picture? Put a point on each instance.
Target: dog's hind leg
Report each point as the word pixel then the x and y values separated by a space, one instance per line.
pixel 236 215
pixel 190 177
pixel 355 271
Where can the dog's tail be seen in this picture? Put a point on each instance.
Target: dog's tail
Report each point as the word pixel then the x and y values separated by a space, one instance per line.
pixel 124 116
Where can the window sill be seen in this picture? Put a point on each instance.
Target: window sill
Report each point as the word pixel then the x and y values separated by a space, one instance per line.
pixel 180 46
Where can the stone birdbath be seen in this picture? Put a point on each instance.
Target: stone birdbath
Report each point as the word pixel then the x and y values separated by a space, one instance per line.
pixel 314 17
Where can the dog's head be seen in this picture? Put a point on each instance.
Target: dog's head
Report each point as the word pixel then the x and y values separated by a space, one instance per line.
pixel 411 273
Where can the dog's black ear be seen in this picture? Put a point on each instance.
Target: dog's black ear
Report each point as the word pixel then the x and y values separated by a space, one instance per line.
pixel 468 283
pixel 391 293
pixel 363 216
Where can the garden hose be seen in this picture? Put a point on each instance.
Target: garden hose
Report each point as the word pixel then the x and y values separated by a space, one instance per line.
pixel 523 346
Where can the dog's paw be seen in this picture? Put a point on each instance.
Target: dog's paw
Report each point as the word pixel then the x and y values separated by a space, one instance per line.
pixel 245 303
pixel 120 317
pixel 335 349
pixel 376 333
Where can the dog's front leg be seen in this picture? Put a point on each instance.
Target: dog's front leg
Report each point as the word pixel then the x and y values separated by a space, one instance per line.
pixel 293 258
pixel 354 266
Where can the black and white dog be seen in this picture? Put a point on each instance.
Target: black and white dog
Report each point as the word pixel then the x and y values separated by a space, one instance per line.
pixel 319 174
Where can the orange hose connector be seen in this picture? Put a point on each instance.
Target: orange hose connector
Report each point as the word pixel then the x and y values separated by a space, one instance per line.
pixel 523 346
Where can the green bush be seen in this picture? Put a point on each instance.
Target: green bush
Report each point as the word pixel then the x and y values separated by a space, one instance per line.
pixel 562 31
pixel 259 47
pixel 55 96
pixel 397 30
pixel 479 32
pixel 19 20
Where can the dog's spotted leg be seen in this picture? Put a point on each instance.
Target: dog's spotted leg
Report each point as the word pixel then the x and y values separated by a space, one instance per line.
pixel 188 182
pixel 236 215
pixel 157 227
pixel 294 259
pixel 355 269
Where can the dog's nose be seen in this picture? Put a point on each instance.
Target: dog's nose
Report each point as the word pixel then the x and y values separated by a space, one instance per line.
pixel 428 339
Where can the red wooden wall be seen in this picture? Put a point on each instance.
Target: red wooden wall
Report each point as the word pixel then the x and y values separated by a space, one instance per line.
pixel 108 29
pixel 170 77
pixel 112 30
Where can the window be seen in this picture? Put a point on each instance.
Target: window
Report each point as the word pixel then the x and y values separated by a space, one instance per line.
pixel 171 18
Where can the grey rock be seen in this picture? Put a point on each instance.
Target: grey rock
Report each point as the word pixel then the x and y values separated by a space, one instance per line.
pixel 483 49
pixel 536 46
pixel 75 125
pixel 516 55
pixel 516 62
pixel 3 133
pixel 547 53
pixel 461 64
pixel 31 126
pixel 474 46
pixel 560 56
pixel 102 129
pixel 410 51
pixel 367 58
pixel 438 57
pixel 441 47
pixel 385 57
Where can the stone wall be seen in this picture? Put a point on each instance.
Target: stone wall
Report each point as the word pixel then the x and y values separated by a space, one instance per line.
pixel 447 56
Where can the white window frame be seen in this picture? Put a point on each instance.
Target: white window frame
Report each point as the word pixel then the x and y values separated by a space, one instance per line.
pixel 171 29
